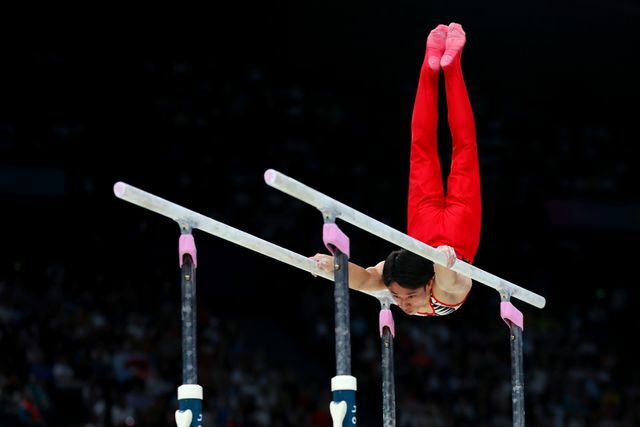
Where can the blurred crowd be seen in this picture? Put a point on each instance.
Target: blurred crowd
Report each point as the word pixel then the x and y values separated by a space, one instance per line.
pixel 97 353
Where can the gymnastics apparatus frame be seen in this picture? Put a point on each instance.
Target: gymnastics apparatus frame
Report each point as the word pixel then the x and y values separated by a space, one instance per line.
pixel 343 385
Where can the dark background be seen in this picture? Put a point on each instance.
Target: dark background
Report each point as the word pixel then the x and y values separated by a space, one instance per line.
pixel 195 106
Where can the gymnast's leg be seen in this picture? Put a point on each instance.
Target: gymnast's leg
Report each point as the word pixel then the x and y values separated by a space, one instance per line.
pixel 426 193
pixel 462 216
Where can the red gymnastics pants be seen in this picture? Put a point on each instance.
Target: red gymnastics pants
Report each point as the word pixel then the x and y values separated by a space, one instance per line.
pixel 433 217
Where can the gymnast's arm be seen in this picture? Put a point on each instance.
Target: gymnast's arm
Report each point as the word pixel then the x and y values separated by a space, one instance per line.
pixel 360 279
pixel 450 287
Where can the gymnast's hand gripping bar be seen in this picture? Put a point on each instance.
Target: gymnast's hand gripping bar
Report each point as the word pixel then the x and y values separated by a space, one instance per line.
pixel 331 207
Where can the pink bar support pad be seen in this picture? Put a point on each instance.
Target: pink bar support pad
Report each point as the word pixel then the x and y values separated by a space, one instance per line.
pixel 386 319
pixel 333 237
pixel 512 314
pixel 187 245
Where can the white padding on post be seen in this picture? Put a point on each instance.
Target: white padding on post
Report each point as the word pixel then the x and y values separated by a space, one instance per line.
pixel 338 411
pixel 190 391
pixel 344 382
pixel 183 418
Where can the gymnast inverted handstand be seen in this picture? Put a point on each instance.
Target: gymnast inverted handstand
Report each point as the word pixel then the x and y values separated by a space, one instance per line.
pixel 451 221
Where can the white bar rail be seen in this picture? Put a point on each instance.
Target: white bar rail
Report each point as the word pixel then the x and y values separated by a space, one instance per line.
pixel 332 208
pixel 194 220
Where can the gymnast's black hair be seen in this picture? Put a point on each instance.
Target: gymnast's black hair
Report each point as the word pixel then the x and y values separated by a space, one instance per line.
pixel 409 270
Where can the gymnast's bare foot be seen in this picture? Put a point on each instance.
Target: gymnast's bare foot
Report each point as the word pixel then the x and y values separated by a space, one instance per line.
pixel 454 43
pixel 436 46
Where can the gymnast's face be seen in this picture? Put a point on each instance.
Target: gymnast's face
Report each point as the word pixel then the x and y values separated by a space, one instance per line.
pixel 409 300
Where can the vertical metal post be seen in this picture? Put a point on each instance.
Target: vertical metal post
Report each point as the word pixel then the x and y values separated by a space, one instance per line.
pixel 515 320
pixel 190 393
pixel 343 385
pixel 387 333
pixel 342 317
pixel 517 380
